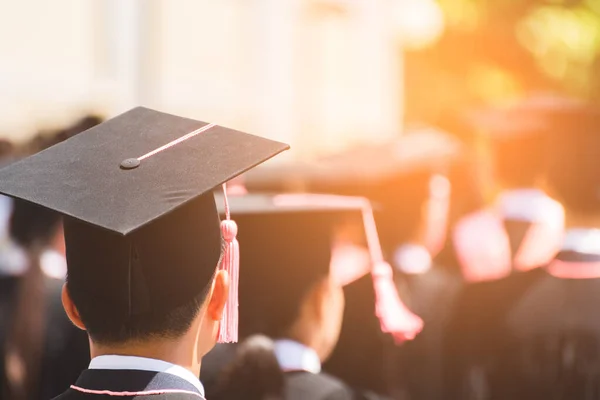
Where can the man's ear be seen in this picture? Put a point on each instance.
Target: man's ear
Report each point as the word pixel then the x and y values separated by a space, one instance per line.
pixel 218 295
pixel 70 308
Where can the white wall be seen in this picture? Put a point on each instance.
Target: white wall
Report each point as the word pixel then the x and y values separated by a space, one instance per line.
pixel 316 74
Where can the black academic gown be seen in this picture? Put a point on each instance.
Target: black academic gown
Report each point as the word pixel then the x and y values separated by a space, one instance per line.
pixel 213 365
pixel 430 295
pixel 363 356
pixel 130 384
pixel 299 385
pixel 551 339
pixel 475 333
pixel 305 385
pixel 66 348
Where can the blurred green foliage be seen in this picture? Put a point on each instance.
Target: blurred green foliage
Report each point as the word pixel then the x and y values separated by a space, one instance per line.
pixel 494 50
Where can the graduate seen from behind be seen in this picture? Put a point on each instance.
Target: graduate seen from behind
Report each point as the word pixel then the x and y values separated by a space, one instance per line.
pixel 305 249
pixel 552 335
pixel 144 245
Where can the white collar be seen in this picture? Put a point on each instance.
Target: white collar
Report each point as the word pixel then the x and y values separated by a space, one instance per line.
pixel 531 205
pixel 145 364
pixel 412 259
pixel 294 356
pixel 582 240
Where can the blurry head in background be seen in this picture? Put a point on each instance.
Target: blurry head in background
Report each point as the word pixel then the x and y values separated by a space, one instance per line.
pixel 469 173
pixel 405 179
pixel 573 164
pixel 516 136
pixel 286 288
pixel 44 139
pixel 517 150
pixel 6 150
pixel 31 225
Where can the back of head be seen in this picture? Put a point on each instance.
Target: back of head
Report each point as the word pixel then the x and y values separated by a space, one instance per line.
pixel 32 225
pixel 255 373
pixel 574 151
pixel 517 136
pixel 129 288
pixel 285 256
pixel 280 263
pixel 519 159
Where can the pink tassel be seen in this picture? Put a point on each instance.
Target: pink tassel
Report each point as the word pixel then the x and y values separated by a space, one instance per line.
pixel 228 332
pixel 394 317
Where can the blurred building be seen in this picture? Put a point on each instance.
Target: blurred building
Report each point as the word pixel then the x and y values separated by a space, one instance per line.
pixel 318 74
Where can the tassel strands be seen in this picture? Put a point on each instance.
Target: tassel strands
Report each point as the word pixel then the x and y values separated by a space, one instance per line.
pixel 394 317
pixel 228 332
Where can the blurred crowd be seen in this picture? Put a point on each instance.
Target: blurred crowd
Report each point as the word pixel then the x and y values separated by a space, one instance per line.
pixel 490 222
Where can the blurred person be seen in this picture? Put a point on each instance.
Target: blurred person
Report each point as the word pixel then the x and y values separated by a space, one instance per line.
pixel 42 351
pixel 305 249
pixel 144 245
pixel 405 180
pixel 551 340
pixel 523 225
pixel 477 336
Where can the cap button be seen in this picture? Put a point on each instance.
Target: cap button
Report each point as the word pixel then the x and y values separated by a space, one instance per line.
pixel 130 163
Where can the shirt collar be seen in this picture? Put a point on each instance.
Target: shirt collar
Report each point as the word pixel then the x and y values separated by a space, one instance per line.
pixel 582 240
pixel 531 205
pixel 294 356
pixel 145 364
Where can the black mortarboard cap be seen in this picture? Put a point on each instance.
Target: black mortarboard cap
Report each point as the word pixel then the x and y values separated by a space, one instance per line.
pixel 288 239
pixel 142 228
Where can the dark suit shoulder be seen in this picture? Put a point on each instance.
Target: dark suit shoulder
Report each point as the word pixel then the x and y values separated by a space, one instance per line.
pixel 74 395
pixel 304 385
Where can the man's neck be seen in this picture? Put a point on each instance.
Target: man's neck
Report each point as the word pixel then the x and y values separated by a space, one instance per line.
pixel 178 353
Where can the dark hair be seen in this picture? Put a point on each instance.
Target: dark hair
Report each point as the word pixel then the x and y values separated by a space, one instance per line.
pixel 6 148
pixel 45 139
pixel 574 151
pixel 287 261
pixel 254 374
pixel 117 329
pixel 32 224
pixel 400 201
pixel 149 283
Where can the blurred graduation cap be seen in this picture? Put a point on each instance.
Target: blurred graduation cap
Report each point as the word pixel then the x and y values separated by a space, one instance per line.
pixel 368 165
pixel 401 176
pixel 527 116
pixel 142 230
pixel 418 149
pixel 290 237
